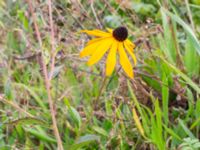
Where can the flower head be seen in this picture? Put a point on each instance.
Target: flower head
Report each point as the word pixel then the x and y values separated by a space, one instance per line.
pixel 114 42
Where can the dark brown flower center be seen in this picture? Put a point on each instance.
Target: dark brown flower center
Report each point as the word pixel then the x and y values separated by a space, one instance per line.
pixel 120 33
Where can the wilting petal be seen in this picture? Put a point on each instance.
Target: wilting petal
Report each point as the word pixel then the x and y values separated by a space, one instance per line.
pixel 130 51
pixel 124 61
pixel 98 33
pixel 100 51
pixel 111 59
pixel 137 122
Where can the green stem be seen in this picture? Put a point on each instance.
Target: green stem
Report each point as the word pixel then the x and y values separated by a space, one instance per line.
pixel 96 101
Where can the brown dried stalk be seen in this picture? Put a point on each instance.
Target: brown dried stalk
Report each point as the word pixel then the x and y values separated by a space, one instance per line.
pixel 53 50
pixel 47 80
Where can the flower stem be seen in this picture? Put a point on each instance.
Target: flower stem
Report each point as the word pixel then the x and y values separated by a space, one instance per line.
pixel 96 101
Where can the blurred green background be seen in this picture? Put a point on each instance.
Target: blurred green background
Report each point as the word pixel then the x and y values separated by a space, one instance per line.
pixel 165 91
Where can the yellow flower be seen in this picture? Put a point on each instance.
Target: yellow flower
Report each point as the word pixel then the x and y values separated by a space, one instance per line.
pixel 113 42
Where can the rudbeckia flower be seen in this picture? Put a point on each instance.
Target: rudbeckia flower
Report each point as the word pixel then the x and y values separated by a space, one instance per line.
pixel 112 42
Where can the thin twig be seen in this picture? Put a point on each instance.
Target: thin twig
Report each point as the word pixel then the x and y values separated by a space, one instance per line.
pixel 15 106
pixel 189 14
pixel 30 56
pixel 35 24
pixel 53 50
pixel 179 56
pixel 46 80
pixel 95 15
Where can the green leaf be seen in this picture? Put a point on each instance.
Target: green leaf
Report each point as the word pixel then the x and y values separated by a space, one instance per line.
pixel 187 28
pixel 74 115
pixel 143 8
pixel 100 131
pixel 169 47
pixel 23 19
pixel 84 141
pixel 182 75
pixel 165 97
pixel 74 84
pixel 8 91
pixel 191 59
pixel 28 121
pixel 172 133
pixel 39 133
pixel 12 42
pixel 195 123
pixel 187 131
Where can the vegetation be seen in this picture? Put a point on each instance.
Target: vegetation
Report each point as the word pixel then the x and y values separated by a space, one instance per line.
pixel 50 98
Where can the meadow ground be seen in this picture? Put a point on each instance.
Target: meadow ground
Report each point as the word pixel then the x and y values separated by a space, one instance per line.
pixel 51 99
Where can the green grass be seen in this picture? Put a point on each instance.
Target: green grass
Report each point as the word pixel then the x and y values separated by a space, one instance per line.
pixel 165 91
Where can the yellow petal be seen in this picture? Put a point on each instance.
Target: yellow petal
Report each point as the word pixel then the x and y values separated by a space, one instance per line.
pixel 95 40
pixel 109 30
pixel 130 51
pixel 98 33
pixel 124 61
pixel 88 50
pixel 130 43
pixel 111 59
pixel 100 51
